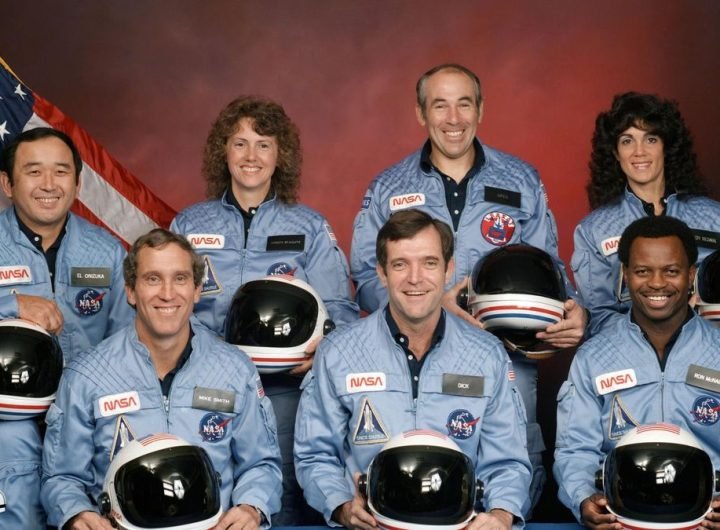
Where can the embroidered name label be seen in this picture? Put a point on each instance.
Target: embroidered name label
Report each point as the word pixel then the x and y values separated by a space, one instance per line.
pixel 501 196
pixel 702 377
pixel 288 242
pixel 213 399
pixel 463 385
pixel 91 276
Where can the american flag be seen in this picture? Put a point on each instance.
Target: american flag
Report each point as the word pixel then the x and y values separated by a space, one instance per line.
pixel 110 196
pixel 665 427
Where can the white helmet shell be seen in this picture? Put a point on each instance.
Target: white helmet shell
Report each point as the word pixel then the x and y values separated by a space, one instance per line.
pixel 274 320
pixel 139 450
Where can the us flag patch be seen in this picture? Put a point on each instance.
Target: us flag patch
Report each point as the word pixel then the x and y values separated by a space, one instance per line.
pixel 260 388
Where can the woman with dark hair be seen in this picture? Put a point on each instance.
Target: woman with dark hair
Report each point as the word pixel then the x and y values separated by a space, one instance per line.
pixel 642 164
pixel 252 227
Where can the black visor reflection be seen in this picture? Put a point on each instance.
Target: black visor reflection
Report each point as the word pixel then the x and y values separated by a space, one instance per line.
pixel 30 363
pixel 168 488
pixel 271 314
pixel 431 486
pixel 659 483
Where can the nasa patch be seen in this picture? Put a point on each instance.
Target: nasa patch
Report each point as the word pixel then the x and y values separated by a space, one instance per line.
pixel 614 381
pixel 369 428
pixel 123 436
pixel 214 427
pixel 206 241
pixel 281 268
pixel 409 200
pixel 461 424
pixel 119 403
pixel 15 274
pixel 497 228
pixel 89 302
pixel 706 410
pixel 609 246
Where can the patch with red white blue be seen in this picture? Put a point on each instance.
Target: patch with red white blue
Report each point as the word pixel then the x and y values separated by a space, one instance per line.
pixel 281 268
pixel 461 424
pixel 89 302
pixel 706 410
pixel 497 228
pixel 259 387
pixel 214 427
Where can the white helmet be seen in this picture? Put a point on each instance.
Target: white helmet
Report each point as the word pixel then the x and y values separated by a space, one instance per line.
pixel 273 321
pixel 421 480
pixel 31 364
pixel 707 286
pixel 161 481
pixel 658 477
pixel 516 291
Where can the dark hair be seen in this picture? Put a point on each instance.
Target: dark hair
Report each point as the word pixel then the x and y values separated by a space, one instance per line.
pixel 7 163
pixel 449 67
pixel 656 227
pixel 406 224
pixel 268 119
pixel 159 238
pixel 649 113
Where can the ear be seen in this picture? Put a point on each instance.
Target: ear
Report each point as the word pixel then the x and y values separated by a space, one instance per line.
pixel 6 186
pixel 419 114
pixel 693 273
pixel 481 110
pixel 196 294
pixel 381 274
pixel 450 270
pixel 130 293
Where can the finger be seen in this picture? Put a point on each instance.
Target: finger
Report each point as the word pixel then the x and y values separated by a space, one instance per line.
pixel 303 368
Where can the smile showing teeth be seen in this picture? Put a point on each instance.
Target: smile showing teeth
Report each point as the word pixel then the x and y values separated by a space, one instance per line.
pixel 454 134
pixel 47 200
pixel 167 310
pixel 658 298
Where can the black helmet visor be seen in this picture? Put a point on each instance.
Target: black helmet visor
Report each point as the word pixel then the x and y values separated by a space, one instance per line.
pixel 167 488
pixel 30 363
pixel 659 483
pixel 422 485
pixel 271 314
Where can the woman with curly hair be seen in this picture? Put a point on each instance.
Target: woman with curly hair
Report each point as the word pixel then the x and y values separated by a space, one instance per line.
pixel 252 226
pixel 642 164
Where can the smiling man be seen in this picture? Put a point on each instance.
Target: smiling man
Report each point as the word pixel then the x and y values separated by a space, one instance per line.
pixel 58 271
pixel 490 198
pixel 410 365
pixel 659 363
pixel 167 373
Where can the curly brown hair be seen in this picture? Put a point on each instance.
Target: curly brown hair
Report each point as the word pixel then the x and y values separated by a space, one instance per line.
pixel 654 115
pixel 268 119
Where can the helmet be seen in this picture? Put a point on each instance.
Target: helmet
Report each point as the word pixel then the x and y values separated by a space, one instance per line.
pixel 707 286
pixel 274 319
pixel 658 477
pixel 31 363
pixel 421 480
pixel 516 291
pixel 161 481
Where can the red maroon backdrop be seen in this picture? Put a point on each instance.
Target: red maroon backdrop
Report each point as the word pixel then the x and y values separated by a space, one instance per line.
pixel 147 78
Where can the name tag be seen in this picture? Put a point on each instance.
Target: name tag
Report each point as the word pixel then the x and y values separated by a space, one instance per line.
pixel 213 399
pixel 289 242
pixel 702 377
pixel 463 385
pixel 91 276
pixel 707 239
pixel 119 404
pixel 501 196
pixel 15 274
pixel 365 382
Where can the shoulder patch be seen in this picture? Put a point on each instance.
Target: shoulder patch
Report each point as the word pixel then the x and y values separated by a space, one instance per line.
pixel 119 403
pixel 609 246
pixel 369 428
pixel 365 382
pixel 15 274
pixel 210 283
pixel 123 435
pixel 206 241
pixel 614 381
pixel 409 200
